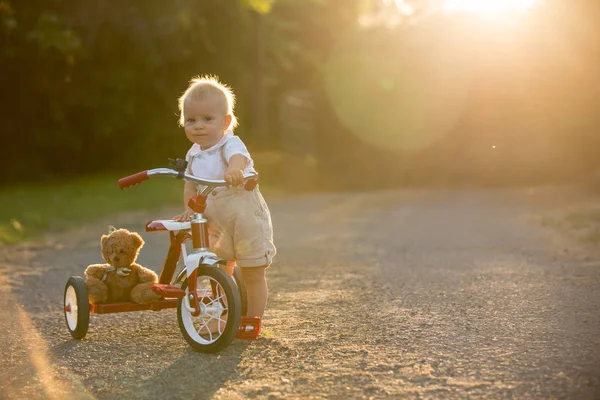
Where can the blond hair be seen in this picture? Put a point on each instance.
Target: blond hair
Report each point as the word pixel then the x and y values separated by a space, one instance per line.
pixel 202 86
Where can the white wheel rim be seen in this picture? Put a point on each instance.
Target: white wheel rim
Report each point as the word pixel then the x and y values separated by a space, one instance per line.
pixel 211 311
pixel 71 302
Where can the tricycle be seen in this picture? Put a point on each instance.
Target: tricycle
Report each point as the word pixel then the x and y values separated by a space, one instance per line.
pixel 202 291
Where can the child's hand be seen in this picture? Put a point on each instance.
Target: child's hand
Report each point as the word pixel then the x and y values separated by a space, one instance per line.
pixel 184 216
pixel 234 176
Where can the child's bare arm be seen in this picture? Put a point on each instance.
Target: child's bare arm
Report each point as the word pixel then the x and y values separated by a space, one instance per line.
pixel 234 175
pixel 189 190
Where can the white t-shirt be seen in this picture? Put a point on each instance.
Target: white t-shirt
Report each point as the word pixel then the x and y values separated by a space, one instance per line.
pixel 212 162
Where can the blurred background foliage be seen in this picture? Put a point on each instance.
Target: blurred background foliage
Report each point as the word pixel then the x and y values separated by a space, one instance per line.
pixel 340 93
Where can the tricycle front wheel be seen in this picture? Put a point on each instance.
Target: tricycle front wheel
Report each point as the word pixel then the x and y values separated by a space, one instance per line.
pixel 77 307
pixel 220 311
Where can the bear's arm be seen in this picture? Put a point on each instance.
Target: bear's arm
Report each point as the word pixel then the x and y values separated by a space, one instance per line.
pixel 145 274
pixel 95 271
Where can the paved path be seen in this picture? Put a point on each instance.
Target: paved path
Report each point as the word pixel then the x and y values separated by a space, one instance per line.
pixel 399 294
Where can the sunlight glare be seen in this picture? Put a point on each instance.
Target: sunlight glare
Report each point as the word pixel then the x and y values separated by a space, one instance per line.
pixel 488 6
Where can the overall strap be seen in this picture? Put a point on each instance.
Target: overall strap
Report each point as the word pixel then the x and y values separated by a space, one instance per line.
pixel 223 158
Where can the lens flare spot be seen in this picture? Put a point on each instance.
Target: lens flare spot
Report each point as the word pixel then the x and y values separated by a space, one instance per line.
pixel 399 90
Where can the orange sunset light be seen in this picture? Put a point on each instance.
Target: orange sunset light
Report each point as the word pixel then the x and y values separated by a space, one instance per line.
pixel 487 7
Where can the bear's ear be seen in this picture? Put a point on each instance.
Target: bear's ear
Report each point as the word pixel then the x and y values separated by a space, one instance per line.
pixel 111 229
pixel 137 240
pixel 103 248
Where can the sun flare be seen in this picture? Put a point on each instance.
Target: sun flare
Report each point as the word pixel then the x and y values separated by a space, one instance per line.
pixel 487 6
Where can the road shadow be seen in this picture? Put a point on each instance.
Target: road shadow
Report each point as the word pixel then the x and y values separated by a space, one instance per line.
pixel 192 374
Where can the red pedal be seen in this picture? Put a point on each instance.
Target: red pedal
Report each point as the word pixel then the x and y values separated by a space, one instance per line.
pixel 167 291
pixel 249 328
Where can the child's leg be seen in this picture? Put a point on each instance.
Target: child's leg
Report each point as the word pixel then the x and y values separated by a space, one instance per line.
pixel 213 326
pixel 256 287
pixel 228 267
pixel 255 280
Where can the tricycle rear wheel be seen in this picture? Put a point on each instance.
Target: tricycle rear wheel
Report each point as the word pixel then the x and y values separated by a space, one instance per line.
pixel 77 307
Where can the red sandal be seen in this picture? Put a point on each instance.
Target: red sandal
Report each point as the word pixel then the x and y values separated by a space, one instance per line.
pixel 249 328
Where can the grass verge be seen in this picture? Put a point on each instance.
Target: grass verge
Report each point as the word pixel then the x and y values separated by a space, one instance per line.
pixel 582 224
pixel 29 211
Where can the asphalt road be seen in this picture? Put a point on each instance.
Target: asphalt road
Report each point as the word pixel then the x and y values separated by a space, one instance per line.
pixel 398 294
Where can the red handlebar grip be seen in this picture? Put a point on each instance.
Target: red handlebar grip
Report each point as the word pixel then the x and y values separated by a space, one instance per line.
pixel 133 179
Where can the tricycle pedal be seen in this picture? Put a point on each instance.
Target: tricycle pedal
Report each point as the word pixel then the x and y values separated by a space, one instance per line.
pixel 167 291
pixel 249 328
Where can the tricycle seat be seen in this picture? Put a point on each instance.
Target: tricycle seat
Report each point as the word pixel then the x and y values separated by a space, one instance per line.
pixel 164 225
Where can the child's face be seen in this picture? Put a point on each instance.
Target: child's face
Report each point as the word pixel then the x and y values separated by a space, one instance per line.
pixel 205 120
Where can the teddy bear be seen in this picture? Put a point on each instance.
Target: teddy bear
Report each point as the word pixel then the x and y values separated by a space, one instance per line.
pixel 121 279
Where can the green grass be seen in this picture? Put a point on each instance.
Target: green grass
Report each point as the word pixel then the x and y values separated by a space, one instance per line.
pixel 29 211
pixel 587 224
pixel 583 224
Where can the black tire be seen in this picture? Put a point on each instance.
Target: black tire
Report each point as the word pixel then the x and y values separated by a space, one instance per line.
pixel 76 307
pixel 187 323
pixel 237 277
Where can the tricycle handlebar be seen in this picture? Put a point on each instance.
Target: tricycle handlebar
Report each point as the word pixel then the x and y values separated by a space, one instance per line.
pixel 133 179
pixel 144 175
